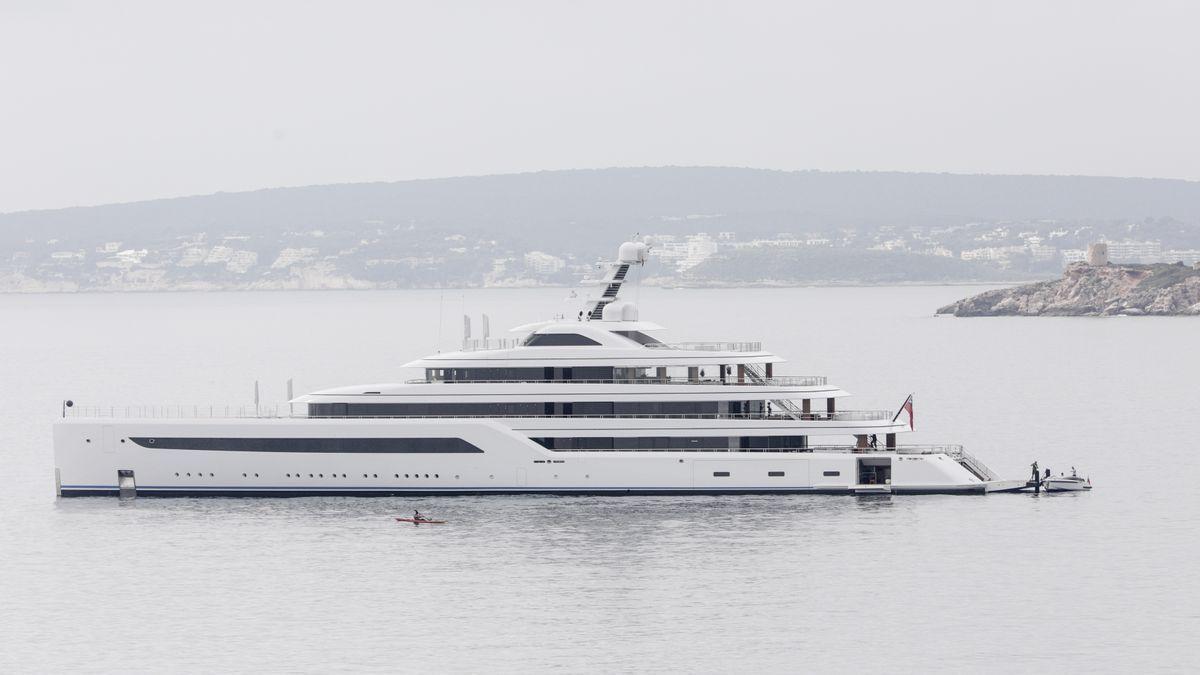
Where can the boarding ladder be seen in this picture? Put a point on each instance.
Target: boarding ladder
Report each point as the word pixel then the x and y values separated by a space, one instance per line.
pixel 970 463
pixel 757 376
pixel 613 287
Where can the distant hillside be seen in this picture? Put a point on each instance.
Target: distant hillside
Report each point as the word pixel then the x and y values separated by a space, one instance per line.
pixel 592 207
pixel 710 226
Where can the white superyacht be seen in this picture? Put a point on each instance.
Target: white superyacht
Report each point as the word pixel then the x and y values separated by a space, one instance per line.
pixel 593 404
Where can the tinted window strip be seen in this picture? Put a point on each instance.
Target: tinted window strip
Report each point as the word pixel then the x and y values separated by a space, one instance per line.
pixel 559 340
pixel 672 442
pixel 380 445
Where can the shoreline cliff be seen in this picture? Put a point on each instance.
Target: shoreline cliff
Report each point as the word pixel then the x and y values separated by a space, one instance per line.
pixel 1094 290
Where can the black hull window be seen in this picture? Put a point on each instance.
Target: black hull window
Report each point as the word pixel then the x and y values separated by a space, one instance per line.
pixel 333 445
pixel 559 340
pixel 736 444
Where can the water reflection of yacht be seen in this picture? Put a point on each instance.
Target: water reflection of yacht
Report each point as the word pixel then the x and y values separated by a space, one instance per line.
pixel 595 404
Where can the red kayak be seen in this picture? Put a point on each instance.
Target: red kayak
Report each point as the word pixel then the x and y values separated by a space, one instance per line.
pixel 421 521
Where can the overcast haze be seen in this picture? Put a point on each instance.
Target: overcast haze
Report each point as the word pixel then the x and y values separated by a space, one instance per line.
pixel 109 102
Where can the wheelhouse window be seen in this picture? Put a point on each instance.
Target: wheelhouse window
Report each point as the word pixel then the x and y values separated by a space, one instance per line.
pixel 638 337
pixel 559 340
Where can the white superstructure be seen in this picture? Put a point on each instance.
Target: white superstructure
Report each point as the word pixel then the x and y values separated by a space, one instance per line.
pixel 594 404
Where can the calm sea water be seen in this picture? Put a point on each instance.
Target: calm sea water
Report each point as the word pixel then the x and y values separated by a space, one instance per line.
pixel 1102 581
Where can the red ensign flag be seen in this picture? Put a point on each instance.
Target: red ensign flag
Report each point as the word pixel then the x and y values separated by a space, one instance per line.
pixel 908 407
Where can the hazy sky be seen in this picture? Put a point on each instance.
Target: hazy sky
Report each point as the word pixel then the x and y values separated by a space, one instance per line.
pixel 119 101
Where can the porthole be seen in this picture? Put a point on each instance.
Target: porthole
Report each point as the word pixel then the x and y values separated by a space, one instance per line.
pixel 256 475
pixel 286 474
pixel 210 475
pixel 364 475
pixel 406 475
pixel 397 475
pixel 310 475
pixel 456 475
pixel 243 475
pixel 427 475
pixel 320 475
pixel 123 440
pixel 177 474
pixel 151 441
pixel 343 475
pixel 491 476
pixel 189 475
pixel 374 475
pixel 87 440
pixel 435 475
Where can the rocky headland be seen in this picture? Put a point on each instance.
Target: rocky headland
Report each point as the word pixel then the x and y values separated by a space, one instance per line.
pixel 1094 290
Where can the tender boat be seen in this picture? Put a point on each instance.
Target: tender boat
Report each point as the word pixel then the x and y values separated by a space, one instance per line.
pixel 590 404
pixel 1065 483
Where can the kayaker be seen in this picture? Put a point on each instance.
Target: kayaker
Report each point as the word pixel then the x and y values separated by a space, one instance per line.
pixel 417 515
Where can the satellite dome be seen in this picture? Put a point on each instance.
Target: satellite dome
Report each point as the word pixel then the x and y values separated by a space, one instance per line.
pixel 632 252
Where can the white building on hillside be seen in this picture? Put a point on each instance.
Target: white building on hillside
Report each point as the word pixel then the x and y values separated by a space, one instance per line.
pixel 1145 252
pixel 543 263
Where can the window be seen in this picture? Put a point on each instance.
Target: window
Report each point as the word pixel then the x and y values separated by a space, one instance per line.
pixel 775 474
pixel 638 337
pixel 559 340
pixel 425 409
pixel 365 445
pixel 720 474
pixel 832 473
pixel 592 408
pixel 534 409
pixel 635 443
pixel 591 373
pixel 492 374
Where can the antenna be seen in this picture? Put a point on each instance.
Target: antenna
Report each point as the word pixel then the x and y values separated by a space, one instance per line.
pixel 441 308
pixel 466 330
pixel 486 328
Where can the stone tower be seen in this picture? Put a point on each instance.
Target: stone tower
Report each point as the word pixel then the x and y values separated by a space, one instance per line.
pixel 1097 254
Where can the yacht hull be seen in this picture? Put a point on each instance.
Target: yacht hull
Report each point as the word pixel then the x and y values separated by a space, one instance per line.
pixel 283 457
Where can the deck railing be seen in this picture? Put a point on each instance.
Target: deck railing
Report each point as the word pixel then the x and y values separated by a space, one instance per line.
pixel 235 411
pixel 701 346
pixel 785 381
pixel 285 412
pixel 485 344
pixel 481 344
